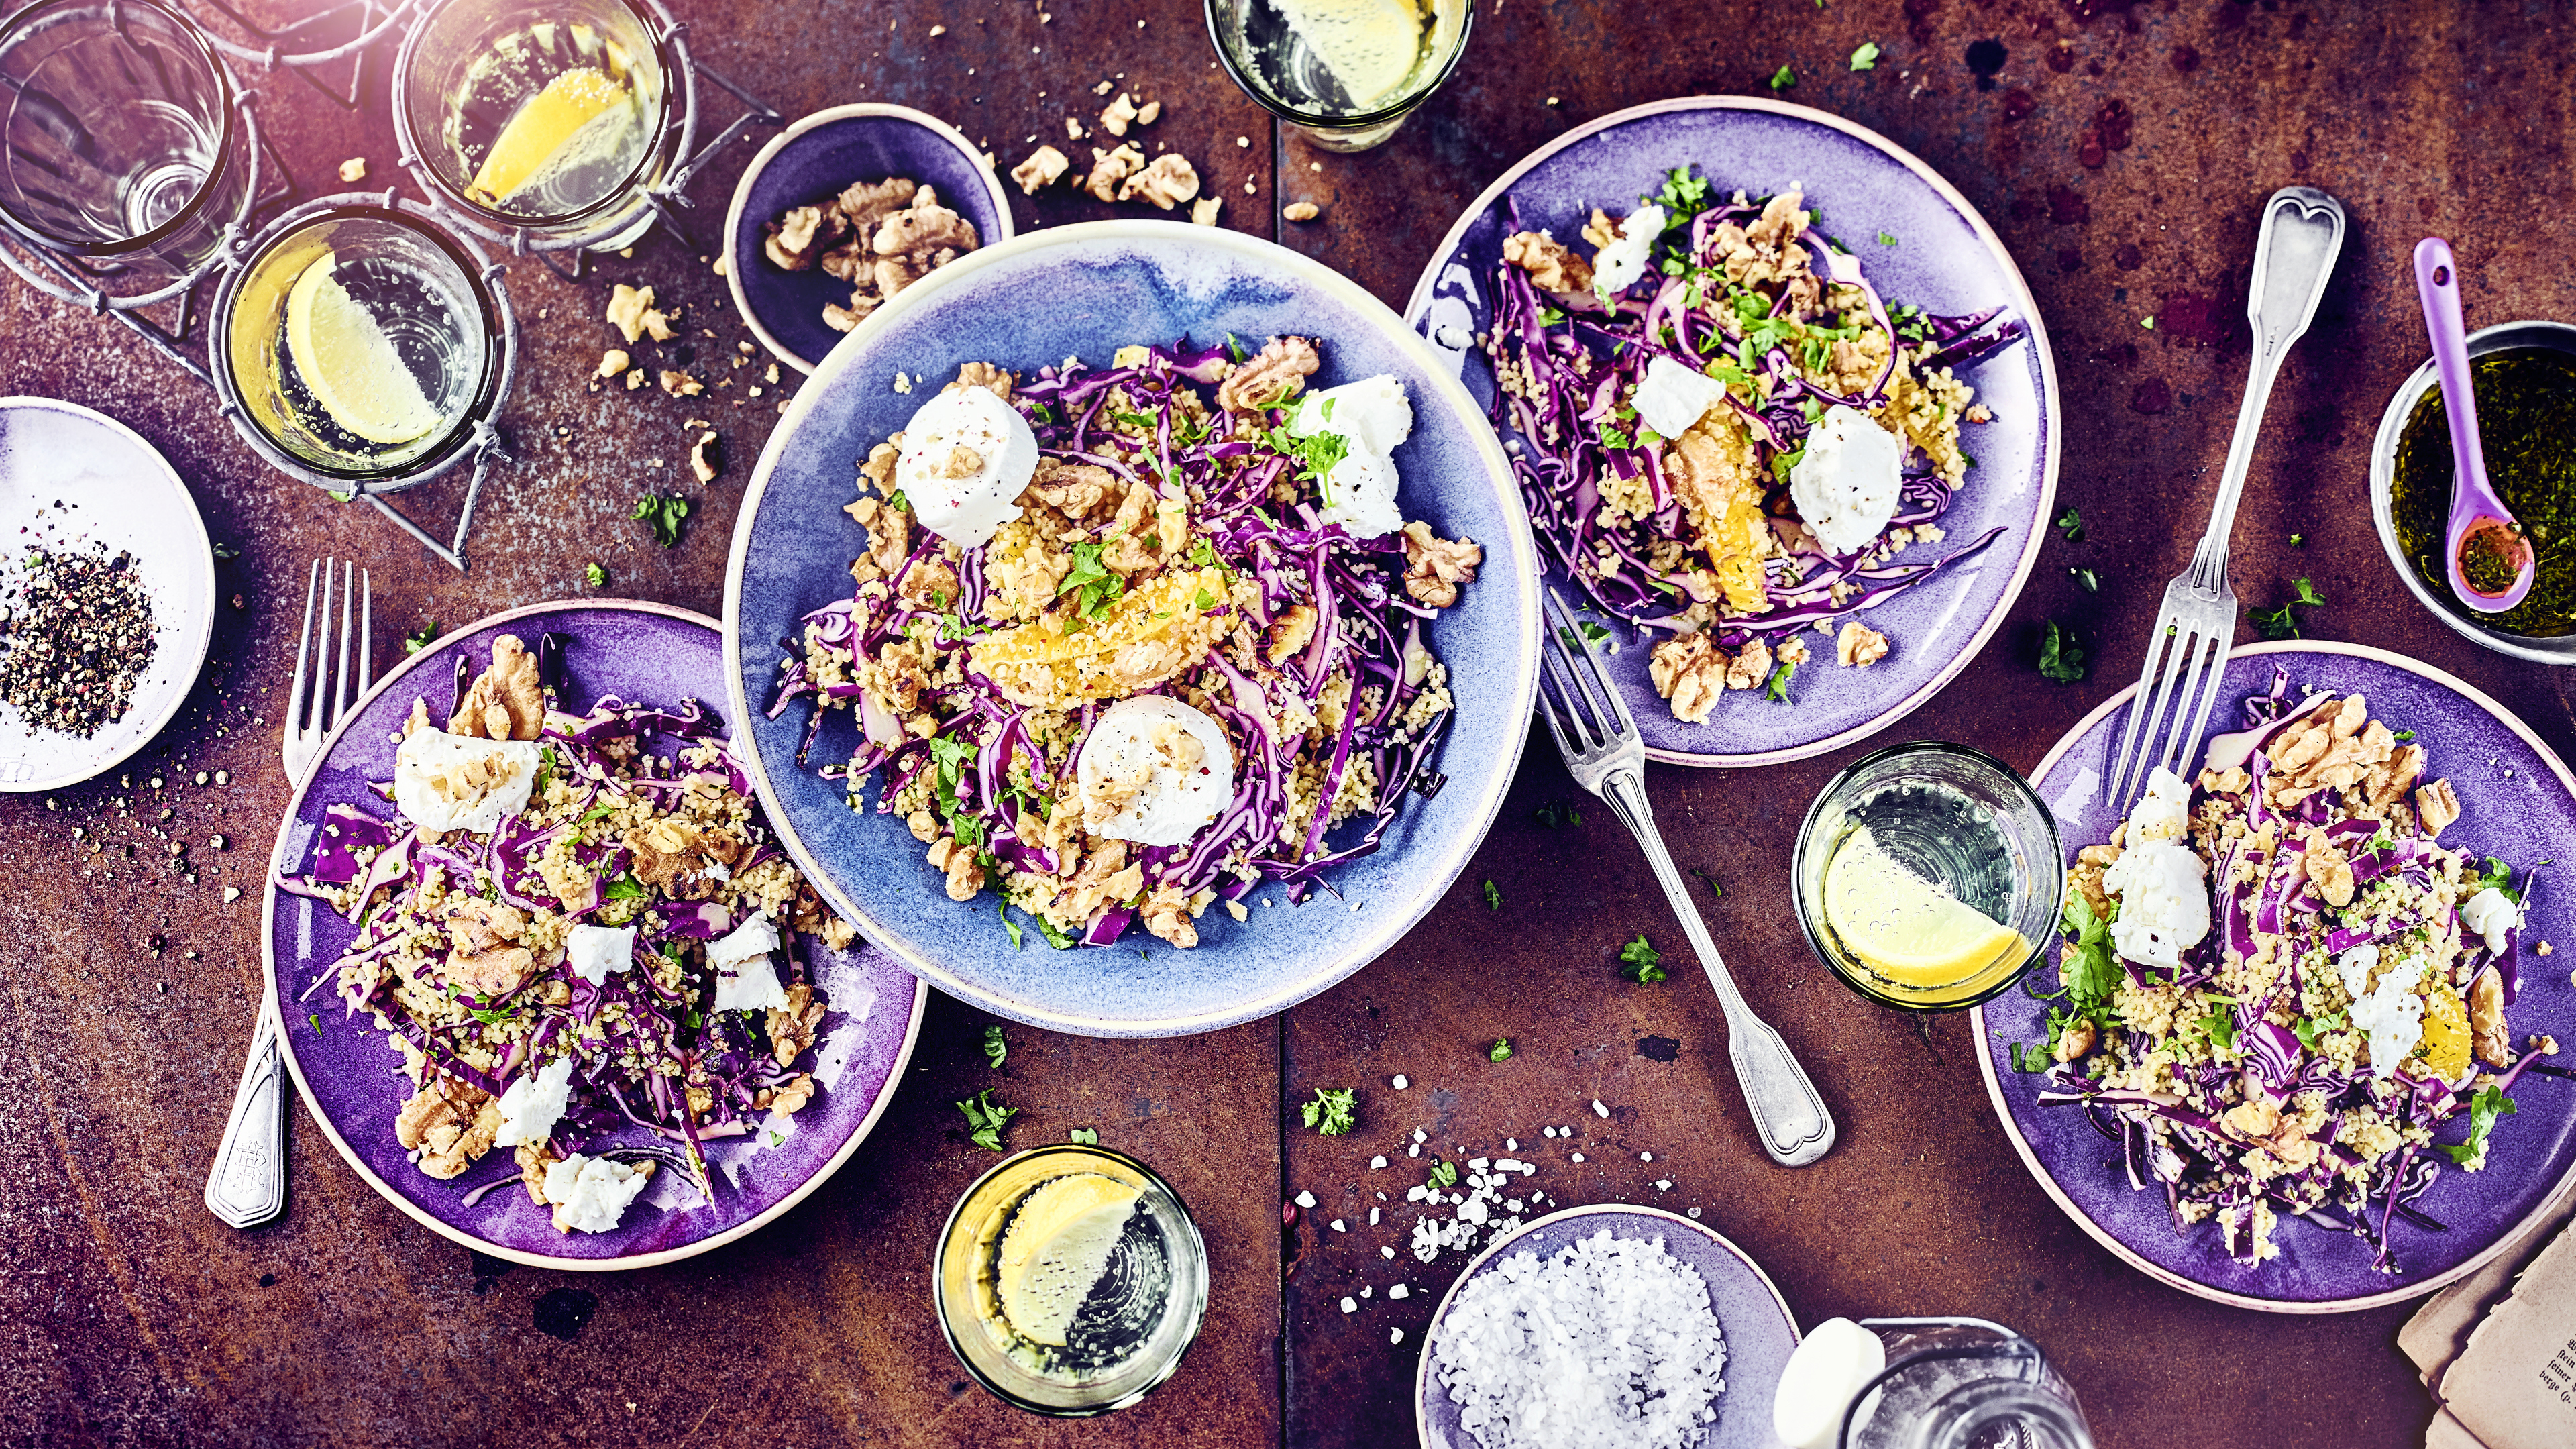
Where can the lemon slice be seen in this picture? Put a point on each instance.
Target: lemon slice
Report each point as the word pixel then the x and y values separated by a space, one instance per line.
pixel 1370 46
pixel 1058 1246
pixel 1904 927
pixel 349 362
pixel 543 127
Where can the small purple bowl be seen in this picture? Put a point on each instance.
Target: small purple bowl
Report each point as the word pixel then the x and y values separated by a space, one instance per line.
pixel 812 161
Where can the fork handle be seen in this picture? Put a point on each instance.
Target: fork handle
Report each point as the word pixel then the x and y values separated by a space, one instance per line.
pixel 247 1184
pixel 1788 1113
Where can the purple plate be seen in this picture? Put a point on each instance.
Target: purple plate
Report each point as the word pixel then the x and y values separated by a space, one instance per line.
pixel 346 1068
pixel 1946 260
pixel 1759 1329
pixel 2516 801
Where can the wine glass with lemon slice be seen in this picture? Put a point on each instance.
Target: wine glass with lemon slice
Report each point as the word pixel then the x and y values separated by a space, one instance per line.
pixel 1927 876
pixel 358 344
pixel 550 120
pixel 1070 1280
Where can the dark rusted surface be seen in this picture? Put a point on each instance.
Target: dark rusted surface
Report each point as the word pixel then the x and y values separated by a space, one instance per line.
pixel 2121 151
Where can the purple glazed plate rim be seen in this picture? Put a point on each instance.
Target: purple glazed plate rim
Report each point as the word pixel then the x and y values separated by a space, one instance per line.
pixel 287 1048
pixel 831 115
pixel 2073 739
pixel 2008 271
pixel 1425 1393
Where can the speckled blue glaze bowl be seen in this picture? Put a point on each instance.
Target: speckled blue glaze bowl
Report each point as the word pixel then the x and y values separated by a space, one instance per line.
pixel 1759 1330
pixel 1942 256
pixel 812 161
pixel 1087 290
pixel 2517 801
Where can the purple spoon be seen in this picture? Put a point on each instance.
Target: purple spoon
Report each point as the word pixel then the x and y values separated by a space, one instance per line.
pixel 2479 519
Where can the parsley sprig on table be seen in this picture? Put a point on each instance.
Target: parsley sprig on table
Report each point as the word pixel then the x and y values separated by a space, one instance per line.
pixel 2280 622
pixel 984 1119
pixel 1333 1113
pixel 996 1050
pixel 663 514
pixel 2060 657
pixel 1640 962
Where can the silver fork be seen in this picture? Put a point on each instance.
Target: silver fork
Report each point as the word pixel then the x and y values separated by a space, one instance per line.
pixel 2294 253
pixel 246 1186
pixel 1607 756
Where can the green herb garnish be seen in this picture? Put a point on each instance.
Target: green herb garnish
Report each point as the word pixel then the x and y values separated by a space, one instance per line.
pixel 1777 691
pixel 1558 816
pixel 598 576
pixel 2071 523
pixel 1783 78
pixel 420 638
pixel 984 1119
pixel 2060 657
pixel 1443 1174
pixel 1086 1136
pixel 1640 962
pixel 1502 1051
pixel 663 515
pixel 2086 579
pixel 1493 897
pixel 996 1050
pixel 2485 1107
pixel 1333 1113
pixel 1866 58
pixel 624 888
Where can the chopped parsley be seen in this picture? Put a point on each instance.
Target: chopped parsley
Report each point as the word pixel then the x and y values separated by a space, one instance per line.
pixel 1055 936
pixel 600 811
pixel 2484 1108
pixel 421 638
pixel 1866 58
pixel 2087 973
pixel 2071 523
pixel 2298 540
pixel 1333 1113
pixel 1783 78
pixel 1011 929
pixel 1314 454
pixel 1558 816
pixel 2060 657
pixel 1777 690
pixel 663 515
pixel 316 1022
pixel 2220 1023
pixel 1086 1136
pixel 1093 584
pixel 624 888
pixel 2498 877
pixel 1493 897
pixel 984 1119
pixel 995 1049
pixel 598 576
pixel 2402 736
pixel 1502 1051
pixel 2086 579
pixel 1640 962
pixel 2029 1058
pixel 2309 1028
pixel 1710 881
pixel 1887 239
pixel 2280 623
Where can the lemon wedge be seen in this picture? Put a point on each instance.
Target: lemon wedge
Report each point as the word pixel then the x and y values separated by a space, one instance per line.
pixel 542 128
pixel 1904 927
pixel 349 362
pixel 1058 1246
pixel 1370 46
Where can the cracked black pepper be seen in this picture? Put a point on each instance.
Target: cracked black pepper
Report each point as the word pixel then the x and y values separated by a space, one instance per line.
pixel 75 635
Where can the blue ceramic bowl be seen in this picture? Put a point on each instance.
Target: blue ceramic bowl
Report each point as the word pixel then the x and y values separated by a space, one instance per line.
pixel 812 161
pixel 1087 290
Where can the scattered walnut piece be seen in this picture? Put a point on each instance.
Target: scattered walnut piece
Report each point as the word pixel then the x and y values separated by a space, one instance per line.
pixel 1148 113
pixel 1073 129
pixel 1269 377
pixel 1858 646
pixel 626 308
pixel 634 379
pixel 965 872
pixel 1288 633
pixel 793 1026
pixel 505 702
pixel 449 1124
pixel 1167 914
pixel 2437 805
pixel 657 325
pixel 354 169
pixel 613 361
pixel 1109 168
pixel 1552 267
pixel 1301 211
pixel 680 384
pixel 1167 182
pixel 844 319
pixel 2074 1041
pixel 1115 119
pixel 1044 168
pixel 1752 666
pixel 2486 1019
pixel 706 457
pixel 1690 671
pixel 1434 567
pixel 1203 211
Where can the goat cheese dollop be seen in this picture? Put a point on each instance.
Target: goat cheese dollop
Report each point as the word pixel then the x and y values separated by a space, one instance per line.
pixel 1846 483
pixel 456 782
pixel 966 457
pixel 2164 812
pixel 590 1194
pixel 2164 905
pixel 1154 771
pixel 746 979
pixel 2490 913
pixel 1672 398
pixel 598 952
pixel 534 1103
pixel 1622 260
pixel 2390 1011
pixel 1373 418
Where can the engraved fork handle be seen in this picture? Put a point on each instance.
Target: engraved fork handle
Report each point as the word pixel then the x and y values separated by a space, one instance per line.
pixel 1788 1114
pixel 247 1184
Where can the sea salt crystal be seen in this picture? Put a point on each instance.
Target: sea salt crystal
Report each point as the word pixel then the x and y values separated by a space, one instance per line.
pixel 1511 1144
pixel 1350 1304
pixel 1547 1131
pixel 1578 1157
pixel 1395 1335
pixel 1478 1164
pixel 1645 1157
pixel 1398 1293
pixel 1414 1151
pixel 1598 1110
pixel 1340 1226
pixel 1663 1184
pixel 1377 1161
pixel 1372 1217
pixel 1421 1136
pixel 1635 1358
pixel 1305 1199
pixel 1694 1212
pixel 1390 1252
pixel 1401 1082
pixel 1366 1291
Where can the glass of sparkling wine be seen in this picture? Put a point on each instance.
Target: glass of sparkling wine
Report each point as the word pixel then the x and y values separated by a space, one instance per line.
pixel 1928 876
pixel 119 137
pixel 555 116
pixel 358 342
pixel 1070 1280
pixel 1347 72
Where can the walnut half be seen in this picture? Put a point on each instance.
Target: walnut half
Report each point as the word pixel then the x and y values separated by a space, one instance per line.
pixel 1690 672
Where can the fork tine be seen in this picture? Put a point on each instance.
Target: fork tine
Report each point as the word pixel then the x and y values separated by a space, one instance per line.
pixel 366 631
pixel 2164 660
pixel 348 627
pixel 1547 709
pixel 303 650
pixel 1584 663
pixel 319 706
pixel 2191 718
pixel 1577 722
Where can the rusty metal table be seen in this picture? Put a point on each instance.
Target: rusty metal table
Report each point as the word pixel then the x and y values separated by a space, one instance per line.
pixel 2120 149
